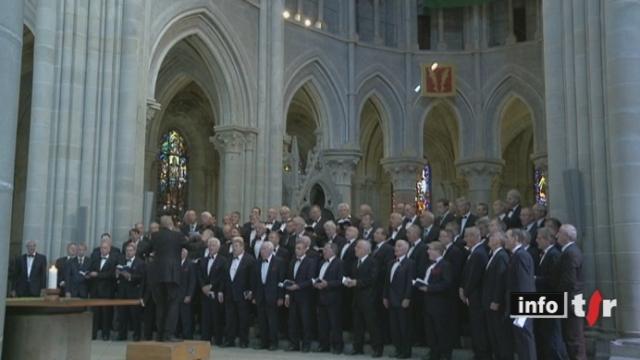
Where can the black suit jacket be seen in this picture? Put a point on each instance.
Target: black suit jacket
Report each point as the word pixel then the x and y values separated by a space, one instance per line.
pixel 471 221
pixel 432 235
pixel 76 283
pixel 420 257
pixel 366 276
pixel 349 259
pixel 513 221
pixel 318 231
pixel 331 295
pixel 401 234
pixel 167 246
pixel 442 221
pixel 61 264
pixel 472 275
pixel 30 286
pixel 283 254
pixel 242 281
pixel 306 271
pixel 369 236
pixel 437 300
pixel 456 258
pixel 547 270
pixel 569 274
pixel 104 285
pixel 186 230
pixel 217 276
pixel 535 256
pixel 115 253
pixel 131 289
pixel 269 293
pixel 400 287
pixel 494 281
pixel 188 280
pixel 533 233
pixel 520 274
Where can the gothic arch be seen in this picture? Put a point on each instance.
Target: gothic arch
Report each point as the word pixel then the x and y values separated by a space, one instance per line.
pixel 331 108
pixel 513 86
pixel 221 55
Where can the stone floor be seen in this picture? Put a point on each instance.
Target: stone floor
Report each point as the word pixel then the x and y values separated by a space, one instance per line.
pixel 113 350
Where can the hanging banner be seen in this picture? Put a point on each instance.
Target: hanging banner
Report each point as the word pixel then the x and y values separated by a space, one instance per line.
pixel 438 81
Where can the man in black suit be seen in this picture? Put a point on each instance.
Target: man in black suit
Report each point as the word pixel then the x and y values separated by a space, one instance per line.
pixel 540 214
pixel 569 279
pixel 521 278
pixel 167 246
pixel 29 273
pixel 347 251
pixel 331 232
pixel 410 216
pixel 396 230
pixel 76 274
pixel 129 275
pixel 363 279
pixel 190 224
pixel 328 283
pixel 499 210
pixel 367 227
pixel 445 216
pixel 465 219
pixel 208 221
pixel 344 218
pixel 532 250
pixel 279 251
pixel 418 253
pixel 437 305
pixel 397 298
pixel 456 259
pixel 249 232
pixel 529 224
pixel 259 239
pixel 186 293
pixel 211 281
pixel 114 252
pixel 430 231
pixel 316 224
pixel 482 210
pixel 296 233
pixel 383 253
pixel 548 332
pixel 272 223
pixel 61 264
pixel 267 295
pixel 512 217
pixel 238 295
pixel 299 297
pixel 471 292
pixel 102 275
pixel 494 297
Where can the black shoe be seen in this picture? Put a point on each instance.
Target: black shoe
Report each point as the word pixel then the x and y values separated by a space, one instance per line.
pixel 293 348
pixel 356 352
pixel 172 339
pixel 321 349
pixel 273 347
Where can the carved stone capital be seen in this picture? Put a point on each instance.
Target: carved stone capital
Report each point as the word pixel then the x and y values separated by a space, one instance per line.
pixel 479 173
pixel 341 164
pixel 540 161
pixel 403 171
pixel 228 141
pixel 153 108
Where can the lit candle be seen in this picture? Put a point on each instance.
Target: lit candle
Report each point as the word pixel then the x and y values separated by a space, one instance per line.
pixel 53 278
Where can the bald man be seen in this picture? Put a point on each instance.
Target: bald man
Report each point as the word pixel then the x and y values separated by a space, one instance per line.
pixel 29 272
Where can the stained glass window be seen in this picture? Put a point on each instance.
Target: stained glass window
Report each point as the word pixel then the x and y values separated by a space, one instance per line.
pixel 540 187
pixel 172 175
pixel 423 189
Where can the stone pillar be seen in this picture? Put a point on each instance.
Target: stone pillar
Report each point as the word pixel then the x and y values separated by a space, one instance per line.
pixel 341 165
pixel 11 60
pixel 377 36
pixel 511 36
pixel 230 145
pixel 442 44
pixel 480 175
pixel 622 83
pixel 404 175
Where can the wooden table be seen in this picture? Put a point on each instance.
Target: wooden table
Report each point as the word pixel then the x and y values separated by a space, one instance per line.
pixel 38 329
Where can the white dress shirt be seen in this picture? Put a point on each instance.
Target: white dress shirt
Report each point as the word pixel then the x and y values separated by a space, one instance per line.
pixel 361 261
pixel 296 266
pixel 428 273
pixel 463 223
pixel 544 253
pixel 567 245
pixel 30 264
pixel 324 267
pixel 235 263
pixel 264 269
pixel 103 261
pixel 492 256
pixel 210 263
pixel 345 247
pixel 410 222
pixel 413 247
pixel 258 245
pixel 395 232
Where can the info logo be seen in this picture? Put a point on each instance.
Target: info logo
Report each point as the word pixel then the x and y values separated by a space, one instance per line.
pixel 555 305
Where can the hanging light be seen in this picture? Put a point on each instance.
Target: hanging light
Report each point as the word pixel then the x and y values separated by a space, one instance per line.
pixel 318 24
pixel 286 14
pixel 434 66
pixel 417 89
pixel 307 22
pixel 298 17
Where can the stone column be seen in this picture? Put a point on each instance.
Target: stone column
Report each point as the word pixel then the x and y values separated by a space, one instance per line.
pixel 341 165
pixel 377 36
pixel 11 60
pixel 622 84
pixel 511 37
pixel 404 175
pixel 442 44
pixel 230 145
pixel 480 175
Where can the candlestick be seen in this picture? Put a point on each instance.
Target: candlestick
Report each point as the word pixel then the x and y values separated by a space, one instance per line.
pixel 53 278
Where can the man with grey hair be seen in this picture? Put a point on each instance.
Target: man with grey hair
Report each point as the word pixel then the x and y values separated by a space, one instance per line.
pixel 512 218
pixel 268 296
pixel 471 291
pixel 570 280
pixel 29 273
pixel 189 223
pixel 329 313
pixel 465 217
pixel 344 218
pixel 429 230
pixel 331 232
pixel 212 271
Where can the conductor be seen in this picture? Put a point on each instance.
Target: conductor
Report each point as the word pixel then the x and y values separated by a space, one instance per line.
pixel 166 246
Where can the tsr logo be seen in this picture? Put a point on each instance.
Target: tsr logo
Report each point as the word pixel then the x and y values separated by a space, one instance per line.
pixel 555 305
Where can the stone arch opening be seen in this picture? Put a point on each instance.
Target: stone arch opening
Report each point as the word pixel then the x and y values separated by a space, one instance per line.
pixel 22 142
pixel 516 148
pixel 303 117
pixel 441 150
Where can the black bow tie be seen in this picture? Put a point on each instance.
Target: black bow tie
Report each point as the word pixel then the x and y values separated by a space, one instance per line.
pixel 397 260
pixel 30 256
pixel 236 258
pixel 265 261
pixel 104 258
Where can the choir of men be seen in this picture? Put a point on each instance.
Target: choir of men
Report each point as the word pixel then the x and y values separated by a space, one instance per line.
pixel 425 279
